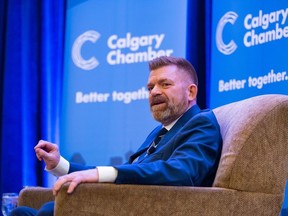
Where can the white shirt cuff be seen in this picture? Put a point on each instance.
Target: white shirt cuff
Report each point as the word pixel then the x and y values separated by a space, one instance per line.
pixel 62 168
pixel 107 174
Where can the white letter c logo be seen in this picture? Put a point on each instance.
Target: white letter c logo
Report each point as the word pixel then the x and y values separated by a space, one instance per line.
pixel 76 50
pixel 229 48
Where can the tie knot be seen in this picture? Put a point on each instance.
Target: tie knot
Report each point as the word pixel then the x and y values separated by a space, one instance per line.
pixel 161 133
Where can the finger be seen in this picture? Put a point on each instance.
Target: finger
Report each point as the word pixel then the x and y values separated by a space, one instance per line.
pixel 72 186
pixel 41 146
pixel 55 192
pixel 56 188
pixel 39 157
pixel 47 146
pixel 41 154
pixel 58 184
pixel 40 143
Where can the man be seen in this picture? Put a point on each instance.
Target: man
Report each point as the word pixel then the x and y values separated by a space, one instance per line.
pixel 187 153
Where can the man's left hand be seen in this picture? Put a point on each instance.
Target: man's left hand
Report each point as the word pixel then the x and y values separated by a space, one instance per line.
pixel 75 179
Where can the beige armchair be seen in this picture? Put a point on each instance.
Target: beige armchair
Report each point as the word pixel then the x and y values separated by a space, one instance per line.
pixel 250 179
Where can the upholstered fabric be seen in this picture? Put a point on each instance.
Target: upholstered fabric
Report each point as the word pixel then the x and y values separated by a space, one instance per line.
pixel 139 200
pixel 255 153
pixel 35 196
pixel 250 179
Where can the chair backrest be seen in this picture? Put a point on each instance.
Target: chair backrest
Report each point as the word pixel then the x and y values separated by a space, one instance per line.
pixel 255 144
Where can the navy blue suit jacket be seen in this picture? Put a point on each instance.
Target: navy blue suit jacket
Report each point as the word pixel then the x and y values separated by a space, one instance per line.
pixel 188 155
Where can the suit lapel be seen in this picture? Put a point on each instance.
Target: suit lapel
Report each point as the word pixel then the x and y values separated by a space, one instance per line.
pixel 179 124
pixel 168 136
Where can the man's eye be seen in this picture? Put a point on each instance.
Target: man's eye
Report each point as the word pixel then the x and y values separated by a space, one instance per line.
pixel 165 84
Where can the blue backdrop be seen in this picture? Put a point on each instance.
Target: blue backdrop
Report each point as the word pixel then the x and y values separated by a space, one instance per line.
pixel 249 40
pixel 105 115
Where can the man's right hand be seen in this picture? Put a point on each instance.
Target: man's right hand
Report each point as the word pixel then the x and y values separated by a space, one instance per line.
pixel 48 152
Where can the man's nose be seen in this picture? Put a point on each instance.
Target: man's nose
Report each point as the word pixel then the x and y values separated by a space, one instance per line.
pixel 155 90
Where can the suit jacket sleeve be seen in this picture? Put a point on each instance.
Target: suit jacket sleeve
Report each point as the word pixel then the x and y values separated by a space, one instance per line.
pixel 78 167
pixel 189 158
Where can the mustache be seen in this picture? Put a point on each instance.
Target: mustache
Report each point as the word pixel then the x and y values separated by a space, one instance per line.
pixel 157 100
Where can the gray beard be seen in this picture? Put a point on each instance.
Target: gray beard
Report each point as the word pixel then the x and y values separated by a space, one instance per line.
pixel 170 114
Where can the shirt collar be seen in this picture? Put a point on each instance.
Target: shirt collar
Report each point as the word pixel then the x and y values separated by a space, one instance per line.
pixel 168 127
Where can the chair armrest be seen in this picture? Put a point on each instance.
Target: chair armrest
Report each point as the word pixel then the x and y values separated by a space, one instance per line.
pixel 35 197
pixel 110 199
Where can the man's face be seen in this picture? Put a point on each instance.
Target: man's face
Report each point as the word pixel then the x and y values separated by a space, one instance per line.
pixel 170 93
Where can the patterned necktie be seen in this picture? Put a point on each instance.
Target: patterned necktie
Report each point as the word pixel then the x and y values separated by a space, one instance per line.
pixel 153 146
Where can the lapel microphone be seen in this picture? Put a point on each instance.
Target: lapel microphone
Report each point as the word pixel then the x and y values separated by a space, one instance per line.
pixel 151 149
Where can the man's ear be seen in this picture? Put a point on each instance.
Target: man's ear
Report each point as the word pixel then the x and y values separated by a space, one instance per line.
pixel 193 90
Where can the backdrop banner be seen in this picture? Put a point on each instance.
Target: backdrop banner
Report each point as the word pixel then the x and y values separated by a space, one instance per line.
pixel 249 43
pixel 105 111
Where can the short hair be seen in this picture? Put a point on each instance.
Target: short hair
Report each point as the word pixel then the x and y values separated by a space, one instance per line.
pixel 181 63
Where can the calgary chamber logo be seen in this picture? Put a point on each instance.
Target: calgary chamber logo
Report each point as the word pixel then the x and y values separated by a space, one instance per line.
pixel 122 49
pixel 227 49
pixel 260 28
